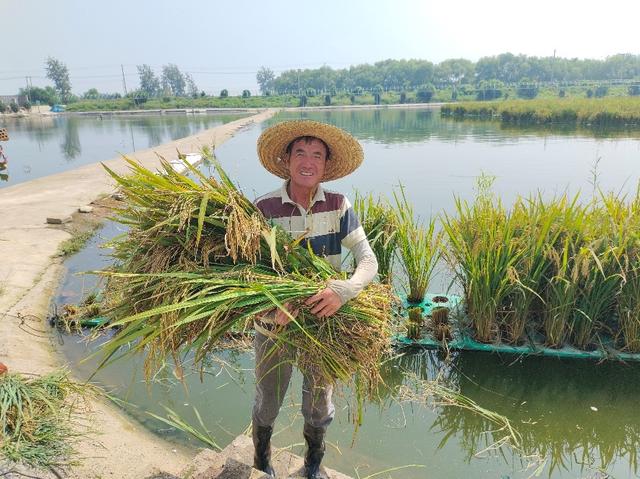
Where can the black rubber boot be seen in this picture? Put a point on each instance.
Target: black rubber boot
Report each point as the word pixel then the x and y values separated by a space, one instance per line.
pixel 262 449
pixel 315 452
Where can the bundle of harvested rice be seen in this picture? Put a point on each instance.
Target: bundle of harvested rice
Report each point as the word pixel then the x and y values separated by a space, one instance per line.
pixel 40 418
pixel 200 260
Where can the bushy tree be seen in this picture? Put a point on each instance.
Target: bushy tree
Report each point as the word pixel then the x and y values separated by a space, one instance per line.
pixel 634 90
pixel 246 93
pixel 91 94
pixel 149 82
pixel 173 79
pixel 265 77
pixel 425 93
pixel 454 71
pixel 192 88
pixel 14 107
pixel 45 95
pixel 224 93
pixel 58 73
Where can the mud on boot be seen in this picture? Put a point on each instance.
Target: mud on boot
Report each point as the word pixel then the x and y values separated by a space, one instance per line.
pixel 315 452
pixel 262 449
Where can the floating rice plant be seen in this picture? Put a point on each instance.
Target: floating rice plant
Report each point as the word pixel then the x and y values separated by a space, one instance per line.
pixel 418 247
pixel 483 253
pixel 41 418
pixel 536 229
pixel 414 322
pixel 597 289
pixel 625 224
pixel 199 260
pixel 560 286
pixel 439 323
pixel 628 305
pixel 380 223
pixel 448 399
pixel 561 291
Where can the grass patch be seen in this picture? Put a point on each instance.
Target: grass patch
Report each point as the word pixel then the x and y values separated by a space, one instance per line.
pixel 74 244
pixel 41 418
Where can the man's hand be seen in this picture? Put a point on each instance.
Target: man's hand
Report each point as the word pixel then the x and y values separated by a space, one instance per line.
pixel 281 317
pixel 325 303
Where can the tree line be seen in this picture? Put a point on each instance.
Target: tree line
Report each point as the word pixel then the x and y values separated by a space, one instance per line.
pixel 171 83
pixel 487 76
pixel 399 75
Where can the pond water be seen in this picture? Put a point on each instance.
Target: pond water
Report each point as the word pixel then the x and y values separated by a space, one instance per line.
pixel 42 145
pixel 576 418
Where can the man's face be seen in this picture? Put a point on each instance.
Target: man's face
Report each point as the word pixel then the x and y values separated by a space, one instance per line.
pixel 307 163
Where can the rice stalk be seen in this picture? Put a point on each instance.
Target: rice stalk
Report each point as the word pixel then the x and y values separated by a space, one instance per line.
pixel 625 222
pixel 560 295
pixel 536 229
pixel 419 248
pixel 420 390
pixel 41 418
pixel 627 309
pixel 379 221
pixel 483 253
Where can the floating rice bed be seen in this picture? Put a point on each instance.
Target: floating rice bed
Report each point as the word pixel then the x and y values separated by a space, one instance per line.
pixel 462 341
pixel 563 270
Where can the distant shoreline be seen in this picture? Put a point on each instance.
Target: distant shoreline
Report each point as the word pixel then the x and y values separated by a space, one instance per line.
pixel 222 110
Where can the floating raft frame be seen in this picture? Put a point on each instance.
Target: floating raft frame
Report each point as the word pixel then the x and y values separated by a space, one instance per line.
pixel 462 342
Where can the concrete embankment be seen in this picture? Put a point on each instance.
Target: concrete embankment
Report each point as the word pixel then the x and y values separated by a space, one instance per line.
pixel 29 273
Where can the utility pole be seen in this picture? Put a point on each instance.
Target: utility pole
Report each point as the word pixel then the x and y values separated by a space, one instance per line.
pixel 124 81
pixel 26 79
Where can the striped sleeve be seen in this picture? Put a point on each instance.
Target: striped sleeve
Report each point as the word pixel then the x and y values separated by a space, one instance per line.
pixel 351 232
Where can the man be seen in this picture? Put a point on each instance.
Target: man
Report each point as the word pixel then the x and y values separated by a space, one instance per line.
pixel 306 153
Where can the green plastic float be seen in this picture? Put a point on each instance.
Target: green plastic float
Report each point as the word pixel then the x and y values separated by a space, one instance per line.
pixel 463 342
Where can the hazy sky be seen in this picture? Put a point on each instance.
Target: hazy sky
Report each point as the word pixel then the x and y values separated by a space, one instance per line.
pixel 223 43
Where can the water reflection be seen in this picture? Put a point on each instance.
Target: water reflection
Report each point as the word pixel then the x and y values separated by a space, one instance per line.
pixel 71 147
pixel 43 145
pixel 418 125
pixel 571 413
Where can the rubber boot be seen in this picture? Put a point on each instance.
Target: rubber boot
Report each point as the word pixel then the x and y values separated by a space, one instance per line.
pixel 315 452
pixel 262 449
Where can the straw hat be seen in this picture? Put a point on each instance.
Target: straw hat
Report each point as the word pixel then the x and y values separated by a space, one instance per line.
pixel 345 153
pixel 4 136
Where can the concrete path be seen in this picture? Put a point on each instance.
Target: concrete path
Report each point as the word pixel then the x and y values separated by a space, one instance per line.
pixel 235 461
pixel 29 273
